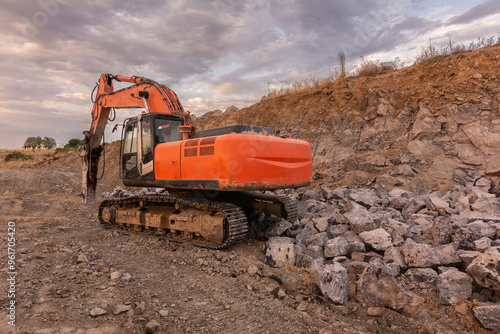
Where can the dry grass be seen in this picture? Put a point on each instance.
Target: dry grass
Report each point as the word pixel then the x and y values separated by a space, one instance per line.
pixel 370 68
pixel 433 54
pixel 38 155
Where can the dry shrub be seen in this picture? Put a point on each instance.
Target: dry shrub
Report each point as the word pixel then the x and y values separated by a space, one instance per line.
pixel 371 68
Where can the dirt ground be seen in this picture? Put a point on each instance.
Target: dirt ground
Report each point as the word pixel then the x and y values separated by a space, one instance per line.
pixel 68 266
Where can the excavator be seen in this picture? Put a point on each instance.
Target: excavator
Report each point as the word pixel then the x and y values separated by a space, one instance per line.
pixel 214 178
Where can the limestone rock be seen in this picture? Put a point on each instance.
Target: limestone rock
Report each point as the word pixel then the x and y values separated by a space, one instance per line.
pixel 121 309
pixel 393 254
pixel 97 312
pixel 303 260
pixel 439 205
pixel 377 285
pixel 467 256
pixel 278 228
pixel 152 326
pixel 365 197
pixel 360 221
pixel 442 230
pixel 482 244
pixel 453 286
pixel 485 269
pixel 306 232
pixel 487 205
pixel 318 239
pixel 332 280
pixel 337 230
pixel 280 251
pixel 424 278
pixel 336 247
pixel 314 251
pixel 378 239
pixel 489 316
pixel 414 205
pixel 425 256
pixel 321 223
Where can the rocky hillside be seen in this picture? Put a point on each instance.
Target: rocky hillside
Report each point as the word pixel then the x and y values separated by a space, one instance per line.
pixel 426 126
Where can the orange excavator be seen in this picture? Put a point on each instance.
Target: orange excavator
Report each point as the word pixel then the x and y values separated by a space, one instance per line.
pixel 214 177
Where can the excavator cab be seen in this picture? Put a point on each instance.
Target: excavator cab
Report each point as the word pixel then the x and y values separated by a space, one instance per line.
pixel 140 136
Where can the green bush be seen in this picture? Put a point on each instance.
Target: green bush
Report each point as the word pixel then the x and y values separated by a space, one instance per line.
pixel 16 155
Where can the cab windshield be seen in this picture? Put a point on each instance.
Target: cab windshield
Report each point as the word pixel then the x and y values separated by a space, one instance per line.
pixel 167 130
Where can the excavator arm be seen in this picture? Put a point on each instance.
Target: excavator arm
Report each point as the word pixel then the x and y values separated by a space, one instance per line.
pixel 144 93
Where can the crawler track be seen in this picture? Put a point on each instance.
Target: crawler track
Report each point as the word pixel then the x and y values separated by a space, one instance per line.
pixel 233 230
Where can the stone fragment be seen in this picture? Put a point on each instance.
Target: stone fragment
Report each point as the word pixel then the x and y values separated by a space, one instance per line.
pixel 336 230
pixel 326 193
pixel 163 313
pixel 355 267
pixel 121 308
pixel 441 230
pixel 392 224
pixel 252 270
pixel 314 251
pixel 308 231
pixel 318 239
pixel 280 251
pixel 356 246
pixel 467 256
pixel 358 256
pixel 413 205
pixel 482 244
pixel 332 280
pixel 366 197
pixel 453 286
pixel 82 258
pixel 424 278
pixel 481 229
pixel 393 254
pixel 439 205
pixel 303 260
pixel 375 311
pixel 377 285
pixel 485 269
pixel 398 203
pixel 487 205
pixel 126 277
pixel 378 239
pixel 278 228
pixel 97 312
pixel 309 194
pixel 115 275
pixel 489 316
pixel 336 247
pixel 360 221
pixel 425 256
pixel 152 326
pixel 462 204
pixel 321 223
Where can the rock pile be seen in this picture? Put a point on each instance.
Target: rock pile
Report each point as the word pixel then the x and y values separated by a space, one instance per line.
pixel 394 248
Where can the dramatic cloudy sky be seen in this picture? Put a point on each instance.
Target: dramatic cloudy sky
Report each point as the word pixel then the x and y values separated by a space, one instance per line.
pixel 214 54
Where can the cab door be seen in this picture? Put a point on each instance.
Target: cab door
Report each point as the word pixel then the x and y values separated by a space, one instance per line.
pixel 145 146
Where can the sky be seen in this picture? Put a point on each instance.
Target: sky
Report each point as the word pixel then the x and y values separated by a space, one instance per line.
pixel 213 54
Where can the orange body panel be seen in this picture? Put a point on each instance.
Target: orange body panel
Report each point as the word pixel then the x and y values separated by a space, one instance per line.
pixel 238 161
pixel 169 166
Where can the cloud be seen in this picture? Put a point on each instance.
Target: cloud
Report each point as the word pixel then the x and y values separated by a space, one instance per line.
pixel 213 53
pixel 477 12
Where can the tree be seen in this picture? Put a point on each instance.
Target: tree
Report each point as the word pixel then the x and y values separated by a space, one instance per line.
pixel 73 144
pixel 48 142
pixel 33 142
